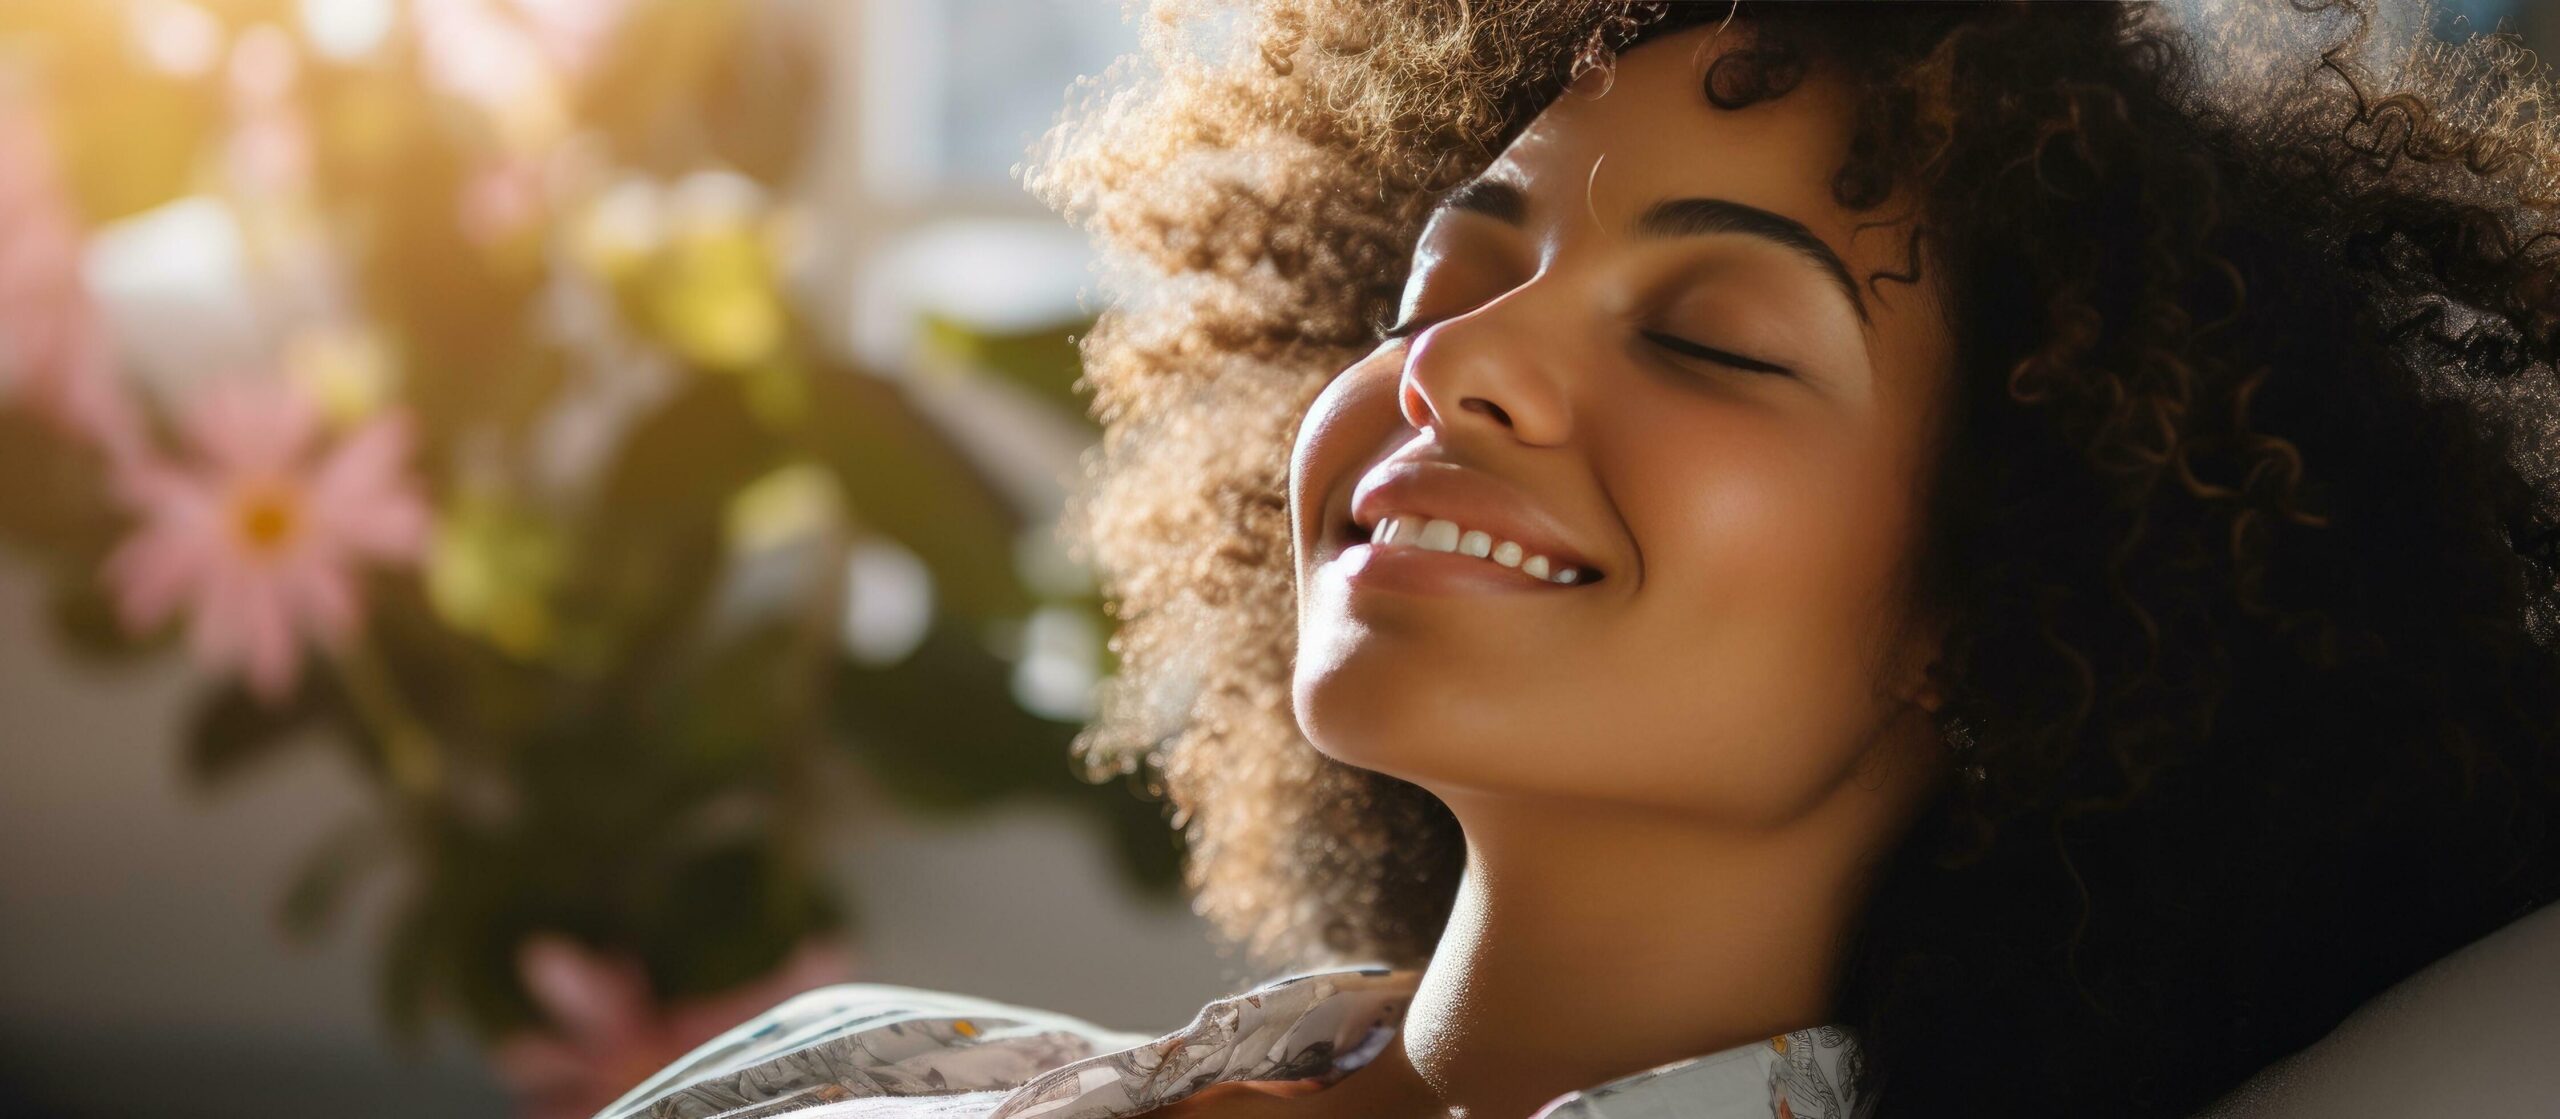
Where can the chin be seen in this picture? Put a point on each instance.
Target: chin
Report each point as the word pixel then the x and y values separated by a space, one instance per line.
pixel 1364 718
pixel 1345 717
pixel 1425 732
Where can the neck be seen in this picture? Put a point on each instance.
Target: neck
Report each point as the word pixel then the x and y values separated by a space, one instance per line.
pixel 1593 941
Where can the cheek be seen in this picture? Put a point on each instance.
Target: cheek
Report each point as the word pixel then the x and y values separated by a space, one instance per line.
pixel 1341 428
pixel 1751 652
pixel 1755 518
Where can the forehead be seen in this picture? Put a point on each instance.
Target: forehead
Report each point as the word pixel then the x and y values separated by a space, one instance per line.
pixel 1651 115
pixel 1619 141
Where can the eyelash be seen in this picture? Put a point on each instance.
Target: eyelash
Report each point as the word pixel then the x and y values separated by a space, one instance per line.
pixel 1673 343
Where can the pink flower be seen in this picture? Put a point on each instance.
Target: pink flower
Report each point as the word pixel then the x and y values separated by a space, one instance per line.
pixel 257 539
pixel 610 1033
pixel 54 348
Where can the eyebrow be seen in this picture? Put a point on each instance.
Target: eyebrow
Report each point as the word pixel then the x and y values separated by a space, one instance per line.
pixel 1674 217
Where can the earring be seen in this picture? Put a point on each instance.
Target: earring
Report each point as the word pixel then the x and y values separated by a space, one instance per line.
pixel 1962 743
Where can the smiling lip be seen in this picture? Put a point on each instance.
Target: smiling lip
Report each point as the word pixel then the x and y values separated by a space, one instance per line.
pixel 1429 488
pixel 1411 570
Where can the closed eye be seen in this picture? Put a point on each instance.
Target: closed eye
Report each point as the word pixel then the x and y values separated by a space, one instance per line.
pixel 1686 347
pixel 1673 343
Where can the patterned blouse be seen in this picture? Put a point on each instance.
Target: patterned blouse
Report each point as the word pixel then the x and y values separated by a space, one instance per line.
pixel 879 1051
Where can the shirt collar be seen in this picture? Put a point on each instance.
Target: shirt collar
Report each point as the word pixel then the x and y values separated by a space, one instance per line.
pixel 1326 1024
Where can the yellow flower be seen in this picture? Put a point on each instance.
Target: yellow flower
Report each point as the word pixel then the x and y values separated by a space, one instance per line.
pixel 780 507
pixel 491 572
pixel 714 300
pixel 346 367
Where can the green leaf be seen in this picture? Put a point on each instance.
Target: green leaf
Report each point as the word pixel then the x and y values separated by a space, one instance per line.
pixel 940 729
pixel 941 732
pixel 651 553
pixel 735 705
pixel 84 616
pixel 905 477
pixel 231 730
pixel 728 916
pixel 319 889
pixel 1043 359
pixel 406 974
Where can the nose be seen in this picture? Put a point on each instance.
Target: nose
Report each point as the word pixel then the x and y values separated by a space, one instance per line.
pixel 1482 371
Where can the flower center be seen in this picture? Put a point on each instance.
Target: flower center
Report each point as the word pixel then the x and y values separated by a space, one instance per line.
pixel 266 519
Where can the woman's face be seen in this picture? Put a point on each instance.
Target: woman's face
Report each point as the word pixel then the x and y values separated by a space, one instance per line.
pixel 1634 357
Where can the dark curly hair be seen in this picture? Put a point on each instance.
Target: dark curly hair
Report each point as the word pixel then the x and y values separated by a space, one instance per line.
pixel 2245 509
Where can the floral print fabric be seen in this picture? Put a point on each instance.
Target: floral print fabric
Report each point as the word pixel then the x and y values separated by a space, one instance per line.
pixel 879 1051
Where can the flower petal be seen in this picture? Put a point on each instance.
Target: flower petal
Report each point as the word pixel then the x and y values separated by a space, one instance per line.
pixel 251 423
pixel 274 655
pixel 361 497
pixel 595 1002
pixel 241 623
pixel 215 626
pixel 150 572
pixel 174 552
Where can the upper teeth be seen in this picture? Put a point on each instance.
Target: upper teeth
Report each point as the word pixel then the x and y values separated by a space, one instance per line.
pixel 1445 536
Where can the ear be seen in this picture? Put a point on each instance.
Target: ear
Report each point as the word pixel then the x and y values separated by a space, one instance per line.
pixel 1919 652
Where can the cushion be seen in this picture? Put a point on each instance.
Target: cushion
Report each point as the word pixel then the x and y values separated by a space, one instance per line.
pixel 2475 1033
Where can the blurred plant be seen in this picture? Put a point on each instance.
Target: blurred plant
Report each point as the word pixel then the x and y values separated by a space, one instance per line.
pixel 435 369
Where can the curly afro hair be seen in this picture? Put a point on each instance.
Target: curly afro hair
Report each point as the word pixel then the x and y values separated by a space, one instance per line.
pixel 2246 509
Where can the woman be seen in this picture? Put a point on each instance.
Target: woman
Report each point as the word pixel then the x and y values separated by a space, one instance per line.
pixel 1941 550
